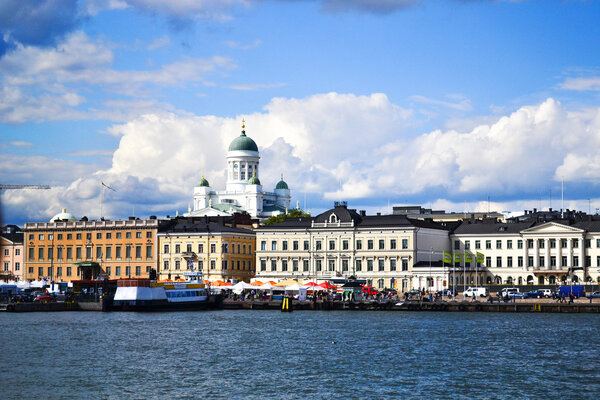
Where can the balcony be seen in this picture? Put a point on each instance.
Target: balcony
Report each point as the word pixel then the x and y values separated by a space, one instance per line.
pixel 189 254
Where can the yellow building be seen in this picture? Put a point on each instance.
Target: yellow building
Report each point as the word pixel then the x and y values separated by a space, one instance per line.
pixel 58 250
pixel 218 251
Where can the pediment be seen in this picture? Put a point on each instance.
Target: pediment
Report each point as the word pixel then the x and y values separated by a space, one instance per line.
pixel 551 228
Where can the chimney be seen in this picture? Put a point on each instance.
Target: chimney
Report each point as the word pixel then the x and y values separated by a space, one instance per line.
pixel 534 210
pixel 379 214
pixel 363 213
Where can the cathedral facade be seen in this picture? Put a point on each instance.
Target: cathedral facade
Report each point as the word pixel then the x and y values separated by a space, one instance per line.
pixel 243 191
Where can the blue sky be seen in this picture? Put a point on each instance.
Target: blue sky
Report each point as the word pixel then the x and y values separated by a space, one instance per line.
pixel 442 103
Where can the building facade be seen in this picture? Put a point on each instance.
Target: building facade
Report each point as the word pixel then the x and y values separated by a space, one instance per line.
pixel 244 192
pixel 341 243
pixel 11 253
pixel 530 252
pixel 220 252
pixel 62 249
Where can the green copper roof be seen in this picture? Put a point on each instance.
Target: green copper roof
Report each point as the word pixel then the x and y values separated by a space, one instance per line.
pixel 243 142
pixel 203 182
pixel 254 180
pixel 281 184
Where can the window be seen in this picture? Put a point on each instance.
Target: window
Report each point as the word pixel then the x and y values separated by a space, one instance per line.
pixel 128 251
pixel 552 261
pixel 99 235
pixel 530 243
pixel 284 245
pixel 41 253
pixel 6 252
pixel 575 243
pixel 306 245
pixel 148 252
pixel 118 270
pixel 305 265
pixel 273 265
pixel 319 265
pixel 552 243
pixel 119 236
pixel 17 252
pixel 128 236
pixel 284 265
pixel 563 243
pixel 576 261
pixel 404 244
pixel 588 261
pixel 213 265
pixel 318 245
pixel 149 235
pixel 405 264
pixel 177 248
pixel 478 244
pixel 59 271
pixel 295 265
pixel 108 235
pixel 88 252
pixel 488 262
pixel 118 252
pixel 344 265
pixel 138 270
pixel 98 252
pixel 274 245
pixel 31 236
pixel 370 244
pixel 381 244
pixel 509 244
pixel 31 254
pixel 88 236
pixel 200 248
pixel 359 265
pixel 541 243
pixel 263 265
pixel 108 252
pixel 488 244
pixel 5 265
pixel 138 235
pixel 69 271
pixel 17 266
pixel 541 261
pixel 188 247
pixel 381 265
pixel 213 247
pixel 509 263
pixel 467 244
pixel 78 253
pixel 597 242
pixel 563 261
pixel 499 262
pixel 263 245
pixel 78 236
pixel 177 265
pixel 128 270
pixel 332 245
pixel 369 265
pixel 345 244
pixel 165 265
pixel 295 245
pixel 392 264
pixel 225 248
pixel 498 244
pixel 166 249
pixel 457 245
pixel 41 237
pixel 69 253
pixel 359 244
pixel 331 264
pixel 530 261
pixel 40 271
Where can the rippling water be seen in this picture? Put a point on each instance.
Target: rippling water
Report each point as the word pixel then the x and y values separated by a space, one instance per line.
pixel 258 354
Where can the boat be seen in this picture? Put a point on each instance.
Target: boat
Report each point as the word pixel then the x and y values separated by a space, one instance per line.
pixel 150 295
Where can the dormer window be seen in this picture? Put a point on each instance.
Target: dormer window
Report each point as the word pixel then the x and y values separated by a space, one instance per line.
pixel 333 218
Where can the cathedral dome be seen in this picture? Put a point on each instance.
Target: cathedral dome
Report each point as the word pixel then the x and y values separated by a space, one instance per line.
pixel 282 185
pixel 203 182
pixel 254 180
pixel 243 142
pixel 63 216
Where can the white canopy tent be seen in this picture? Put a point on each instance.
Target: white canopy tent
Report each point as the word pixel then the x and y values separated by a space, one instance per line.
pixel 240 286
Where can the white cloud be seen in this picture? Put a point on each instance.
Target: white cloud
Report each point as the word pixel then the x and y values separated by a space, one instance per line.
pixel 256 86
pixel 160 42
pixel 237 45
pixel 460 103
pixel 581 83
pixel 342 146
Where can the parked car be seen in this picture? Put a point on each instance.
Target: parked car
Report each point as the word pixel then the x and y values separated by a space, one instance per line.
pixel 371 291
pixel 45 298
pixel 533 294
pixel 515 295
pixel 594 295
pixel 508 291
pixel 475 292
pixel 547 293
pixel 445 292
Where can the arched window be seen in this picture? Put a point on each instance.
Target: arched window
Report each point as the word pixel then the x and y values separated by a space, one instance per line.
pixel 488 280
pixel 520 280
pixel 236 171
pixel 498 280
pixel 332 218
pixel 552 279
pixel 541 280
pixel 509 280
pixel 529 280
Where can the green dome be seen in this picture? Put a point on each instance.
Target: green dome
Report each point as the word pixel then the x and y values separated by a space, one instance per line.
pixel 243 142
pixel 281 185
pixel 254 181
pixel 203 182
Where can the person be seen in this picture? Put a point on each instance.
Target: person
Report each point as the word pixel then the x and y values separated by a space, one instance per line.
pixel 571 297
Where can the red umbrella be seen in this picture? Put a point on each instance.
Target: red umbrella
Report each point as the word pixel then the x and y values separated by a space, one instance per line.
pixel 310 284
pixel 327 285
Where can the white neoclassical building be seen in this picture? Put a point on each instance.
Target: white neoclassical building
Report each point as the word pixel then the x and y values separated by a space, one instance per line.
pixel 243 191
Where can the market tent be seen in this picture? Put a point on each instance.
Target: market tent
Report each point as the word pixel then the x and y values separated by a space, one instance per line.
pixel 266 286
pixel 327 285
pixel 257 283
pixel 286 282
pixel 294 288
pixel 311 284
pixel 238 287
pixel 23 285
pixel 314 287
pixel 37 284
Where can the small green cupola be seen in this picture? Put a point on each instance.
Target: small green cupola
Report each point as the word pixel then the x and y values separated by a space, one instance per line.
pixel 203 182
pixel 254 180
pixel 281 184
pixel 243 142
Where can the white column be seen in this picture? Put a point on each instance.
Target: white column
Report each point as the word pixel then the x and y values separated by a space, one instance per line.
pixel 536 256
pixel 547 258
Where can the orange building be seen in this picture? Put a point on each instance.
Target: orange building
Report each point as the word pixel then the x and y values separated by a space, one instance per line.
pixel 67 249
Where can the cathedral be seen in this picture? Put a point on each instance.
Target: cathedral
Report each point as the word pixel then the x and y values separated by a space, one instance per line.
pixel 243 191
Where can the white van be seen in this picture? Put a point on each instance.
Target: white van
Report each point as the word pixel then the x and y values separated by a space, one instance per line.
pixel 476 292
pixel 508 291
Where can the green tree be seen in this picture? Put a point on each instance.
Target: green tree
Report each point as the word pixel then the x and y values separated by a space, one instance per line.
pixel 296 213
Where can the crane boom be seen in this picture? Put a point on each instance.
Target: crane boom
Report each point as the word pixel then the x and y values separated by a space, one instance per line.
pixel 3 186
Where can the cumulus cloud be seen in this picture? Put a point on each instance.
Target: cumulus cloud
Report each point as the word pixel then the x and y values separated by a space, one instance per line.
pixel 340 147
pixel 581 83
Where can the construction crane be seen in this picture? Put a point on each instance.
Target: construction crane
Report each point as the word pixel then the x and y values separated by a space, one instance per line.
pixel 3 186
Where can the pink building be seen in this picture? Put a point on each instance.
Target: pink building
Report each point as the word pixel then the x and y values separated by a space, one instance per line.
pixel 11 253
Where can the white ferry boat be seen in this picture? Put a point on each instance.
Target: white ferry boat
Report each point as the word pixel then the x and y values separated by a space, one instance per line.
pixel 144 294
